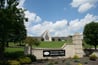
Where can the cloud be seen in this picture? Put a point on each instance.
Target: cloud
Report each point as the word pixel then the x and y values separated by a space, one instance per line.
pixel 83 5
pixel 78 25
pixel 60 28
pixel 21 3
pixel 32 16
pixel 54 28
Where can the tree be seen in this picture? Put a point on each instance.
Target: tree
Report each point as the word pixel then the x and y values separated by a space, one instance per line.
pixel 11 23
pixel 31 41
pixel 91 34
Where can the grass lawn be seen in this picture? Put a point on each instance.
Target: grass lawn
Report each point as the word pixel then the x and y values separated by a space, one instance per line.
pixel 11 50
pixel 50 44
pixel 13 53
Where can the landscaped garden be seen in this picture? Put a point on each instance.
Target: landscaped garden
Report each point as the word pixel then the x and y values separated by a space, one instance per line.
pixel 50 44
pixel 15 55
pixel 68 61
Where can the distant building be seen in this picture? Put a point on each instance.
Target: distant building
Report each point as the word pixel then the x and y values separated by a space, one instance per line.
pixel 46 37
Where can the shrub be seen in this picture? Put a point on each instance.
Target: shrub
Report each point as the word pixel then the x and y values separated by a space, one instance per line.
pixel 85 62
pixel 77 60
pixel 32 57
pixel 1 62
pixel 79 63
pixel 56 62
pixel 13 62
pixel 93 57
pixel 24 60
pixel 68 63
pixel 76 57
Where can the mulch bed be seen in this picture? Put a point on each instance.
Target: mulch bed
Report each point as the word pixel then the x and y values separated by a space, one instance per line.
pixel 83 61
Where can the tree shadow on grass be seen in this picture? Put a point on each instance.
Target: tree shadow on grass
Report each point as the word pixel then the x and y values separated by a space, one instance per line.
pixel 13 55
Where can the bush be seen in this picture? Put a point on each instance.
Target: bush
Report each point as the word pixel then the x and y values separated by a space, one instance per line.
pixel 32 57
pixel 13 62
pixel 24 60
pixel 79 63
pixel 93 57
pixel 56 62
pixel 68 63
pixel 76 57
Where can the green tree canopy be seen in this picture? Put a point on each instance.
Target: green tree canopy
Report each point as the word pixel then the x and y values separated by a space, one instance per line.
pixel 11 23
pixel 91 34
pixel 31 41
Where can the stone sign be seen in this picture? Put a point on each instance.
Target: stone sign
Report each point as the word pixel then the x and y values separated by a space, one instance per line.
pixel 50 53
pixel 71 50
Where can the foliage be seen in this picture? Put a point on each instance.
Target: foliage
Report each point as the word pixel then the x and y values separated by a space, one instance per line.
pixel 76 57
pixel 24 60
pixel 13 62
pixel 68 63
pixel 3 62
pixel 93 57
pixel 91 34
pixel 79 63
pixel 56 62
pixel 31 41
pixel 13 53
pixel 32 57
pixel 12 26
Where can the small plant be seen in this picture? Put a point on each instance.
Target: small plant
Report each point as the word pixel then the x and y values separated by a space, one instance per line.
pixel 86 62
pixel 24 60
pixel 77 60
pixel 93 57
pixel 79 63
pixel 68 63
pixel 56 62
pixel 76 57
pixel 13 62
pixel 32 57
pixel 51 63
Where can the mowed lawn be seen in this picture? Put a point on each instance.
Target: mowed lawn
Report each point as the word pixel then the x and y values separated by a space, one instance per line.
pixel 11 50
pixel 43 44
pixel 50 44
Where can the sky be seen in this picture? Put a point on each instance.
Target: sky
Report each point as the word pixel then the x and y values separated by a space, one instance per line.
pixel 59 17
